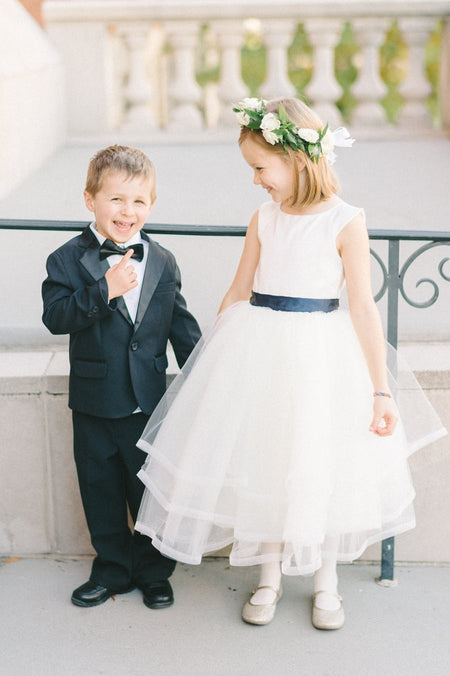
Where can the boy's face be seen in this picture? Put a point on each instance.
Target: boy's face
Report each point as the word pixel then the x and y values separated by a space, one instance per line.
pixel 121 206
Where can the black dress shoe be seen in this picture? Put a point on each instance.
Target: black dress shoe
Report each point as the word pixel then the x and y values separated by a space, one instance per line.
pixel 158 594
pixel 93 594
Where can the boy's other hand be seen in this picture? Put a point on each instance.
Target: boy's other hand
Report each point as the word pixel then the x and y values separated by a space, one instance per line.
pixel 121 277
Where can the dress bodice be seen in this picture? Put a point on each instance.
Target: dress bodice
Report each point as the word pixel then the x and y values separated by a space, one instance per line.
pixel 298 251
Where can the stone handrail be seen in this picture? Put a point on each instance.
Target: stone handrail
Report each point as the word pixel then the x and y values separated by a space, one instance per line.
pixel 131 66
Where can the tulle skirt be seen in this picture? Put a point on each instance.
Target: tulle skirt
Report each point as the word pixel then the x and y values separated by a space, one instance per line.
pixel 263 439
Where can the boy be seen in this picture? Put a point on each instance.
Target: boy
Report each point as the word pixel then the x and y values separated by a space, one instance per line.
pixel 117 293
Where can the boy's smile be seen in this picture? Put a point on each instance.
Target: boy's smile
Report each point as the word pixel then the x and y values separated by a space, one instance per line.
pixel 121 206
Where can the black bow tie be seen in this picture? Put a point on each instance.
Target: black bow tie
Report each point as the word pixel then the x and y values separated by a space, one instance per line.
pixel 109 248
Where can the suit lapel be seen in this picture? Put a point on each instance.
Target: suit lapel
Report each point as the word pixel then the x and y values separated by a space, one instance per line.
pixel 122 308
pixel 90 260
pixel 156 262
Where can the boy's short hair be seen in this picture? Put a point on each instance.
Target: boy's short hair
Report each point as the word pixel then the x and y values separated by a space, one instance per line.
pixel 320 181
pixel 116 159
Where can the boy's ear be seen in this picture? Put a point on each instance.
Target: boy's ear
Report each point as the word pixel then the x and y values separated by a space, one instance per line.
pixel 88 200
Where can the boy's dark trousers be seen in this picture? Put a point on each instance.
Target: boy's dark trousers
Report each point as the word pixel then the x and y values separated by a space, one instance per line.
pixel 107 462
pixel 117 365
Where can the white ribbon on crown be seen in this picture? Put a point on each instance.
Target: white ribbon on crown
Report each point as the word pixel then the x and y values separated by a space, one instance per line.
pixel 340 138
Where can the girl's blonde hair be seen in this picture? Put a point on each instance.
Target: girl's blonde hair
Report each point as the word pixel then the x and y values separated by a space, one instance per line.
pixel 119 159
pixel 319 180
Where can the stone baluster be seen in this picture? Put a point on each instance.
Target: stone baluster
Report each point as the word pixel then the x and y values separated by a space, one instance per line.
pixel 278 36
pixel 185 94
pixel 137 92
pixel 323 89
pixel 369 88
pixel 231 87
pixel 444 77
pixel 415 88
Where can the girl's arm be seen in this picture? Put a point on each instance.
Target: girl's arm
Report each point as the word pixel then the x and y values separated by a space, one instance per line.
pixel 353 246
pixel 241 287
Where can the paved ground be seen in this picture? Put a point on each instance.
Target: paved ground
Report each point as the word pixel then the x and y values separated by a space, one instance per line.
pixel 403 631
pixel 400 183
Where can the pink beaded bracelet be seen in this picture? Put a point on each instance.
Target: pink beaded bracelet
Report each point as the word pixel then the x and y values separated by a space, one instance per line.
pixel 381 394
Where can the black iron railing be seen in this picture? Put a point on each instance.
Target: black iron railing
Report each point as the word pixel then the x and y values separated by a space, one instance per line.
pixel 393 278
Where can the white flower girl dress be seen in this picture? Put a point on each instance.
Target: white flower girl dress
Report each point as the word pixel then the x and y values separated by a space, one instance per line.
pixel 263 437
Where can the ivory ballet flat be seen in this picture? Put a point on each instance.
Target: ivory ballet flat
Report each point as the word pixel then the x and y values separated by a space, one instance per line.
pixel 327 619
pixel 262 613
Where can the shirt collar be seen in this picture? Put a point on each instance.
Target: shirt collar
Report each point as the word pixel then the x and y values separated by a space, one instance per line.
pixel 136 239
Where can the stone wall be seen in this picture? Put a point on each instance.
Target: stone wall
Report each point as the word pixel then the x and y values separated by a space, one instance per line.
pixel 32 103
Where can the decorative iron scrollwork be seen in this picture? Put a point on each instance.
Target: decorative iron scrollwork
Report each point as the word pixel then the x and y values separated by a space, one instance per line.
pixel 424 280
pixel 404 269
pixel 384 283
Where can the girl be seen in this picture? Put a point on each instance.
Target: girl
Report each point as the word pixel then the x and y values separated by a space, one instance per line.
pixel 283 439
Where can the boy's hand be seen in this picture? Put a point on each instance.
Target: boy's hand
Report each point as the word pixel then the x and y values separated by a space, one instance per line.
pixel 121 278
pixel 385 417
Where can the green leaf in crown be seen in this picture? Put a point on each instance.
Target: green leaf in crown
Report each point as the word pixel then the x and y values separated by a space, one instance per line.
pixel 278 128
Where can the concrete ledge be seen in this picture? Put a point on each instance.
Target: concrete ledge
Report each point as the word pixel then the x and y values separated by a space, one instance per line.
pixel 40 506
pixel 57 372
pixel 430 363
pixel 29 372
pixel 23 372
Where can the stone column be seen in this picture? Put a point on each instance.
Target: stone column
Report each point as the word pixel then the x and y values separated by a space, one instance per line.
pixel 137 91
pixel 323 88
pixel 416 87
pixel 231 87
pixel 369 87
pixel 184 92
pixel 444 81
pixel 278 35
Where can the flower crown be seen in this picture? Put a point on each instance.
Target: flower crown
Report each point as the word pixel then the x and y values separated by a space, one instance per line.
pixel 278 128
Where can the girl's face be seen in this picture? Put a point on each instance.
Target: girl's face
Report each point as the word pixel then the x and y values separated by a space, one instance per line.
pixel 270 170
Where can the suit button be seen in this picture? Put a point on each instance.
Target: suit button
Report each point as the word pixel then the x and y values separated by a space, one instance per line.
pixel 134 346
pixel 95 308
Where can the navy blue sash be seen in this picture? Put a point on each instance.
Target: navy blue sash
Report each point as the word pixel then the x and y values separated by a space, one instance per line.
pixel 290 304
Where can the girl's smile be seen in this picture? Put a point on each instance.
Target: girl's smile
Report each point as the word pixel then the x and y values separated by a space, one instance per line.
pixel 270 170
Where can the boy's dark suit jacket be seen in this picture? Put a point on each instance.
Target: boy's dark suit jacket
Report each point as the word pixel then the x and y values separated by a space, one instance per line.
pixel 116 365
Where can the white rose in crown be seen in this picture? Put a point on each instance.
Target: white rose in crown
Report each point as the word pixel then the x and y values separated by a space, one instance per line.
pixel 309 135
pixel 243 118
pixel 327 143
pixel 252 104
pixel 270 137
pixel 270 122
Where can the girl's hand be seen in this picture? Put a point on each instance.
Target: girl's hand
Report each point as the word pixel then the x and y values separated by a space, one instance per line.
pixel 385 417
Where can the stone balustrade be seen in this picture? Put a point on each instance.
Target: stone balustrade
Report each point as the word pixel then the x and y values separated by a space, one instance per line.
pixel 140 59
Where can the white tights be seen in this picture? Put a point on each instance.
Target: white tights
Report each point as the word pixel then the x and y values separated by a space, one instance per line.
pixel 325 579
pixel 270 576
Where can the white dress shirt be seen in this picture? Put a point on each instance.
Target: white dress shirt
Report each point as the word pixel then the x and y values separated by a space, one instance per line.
pixel 131 297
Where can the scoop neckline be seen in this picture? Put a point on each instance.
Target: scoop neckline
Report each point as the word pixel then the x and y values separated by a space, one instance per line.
pixel 318 213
